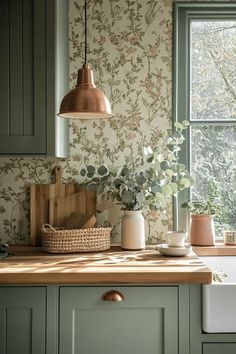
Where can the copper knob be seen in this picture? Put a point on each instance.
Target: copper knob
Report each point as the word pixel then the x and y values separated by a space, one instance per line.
pixel 113 295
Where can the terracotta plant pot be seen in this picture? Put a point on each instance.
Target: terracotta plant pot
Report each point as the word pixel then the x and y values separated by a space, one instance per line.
pixel 202 230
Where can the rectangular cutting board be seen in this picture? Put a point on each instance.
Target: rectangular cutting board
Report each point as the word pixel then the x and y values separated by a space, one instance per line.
pixel 83 202
pixel 42 194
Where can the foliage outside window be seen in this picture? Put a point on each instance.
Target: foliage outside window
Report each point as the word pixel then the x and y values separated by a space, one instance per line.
pixel 205 57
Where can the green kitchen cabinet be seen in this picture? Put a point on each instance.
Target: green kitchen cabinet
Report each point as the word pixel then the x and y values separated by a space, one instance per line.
pixel 219 348
pixel 146 321
pixel 161 319
pixel 22 320
pixel 34 76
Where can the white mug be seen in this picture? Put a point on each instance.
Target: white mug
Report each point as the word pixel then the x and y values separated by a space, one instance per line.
pixel 176 238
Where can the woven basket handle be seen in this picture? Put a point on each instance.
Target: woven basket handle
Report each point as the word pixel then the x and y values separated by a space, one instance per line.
pixel 110 225
pixel 48 226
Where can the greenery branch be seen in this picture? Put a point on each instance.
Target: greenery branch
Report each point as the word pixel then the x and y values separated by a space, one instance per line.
pixel 152 179
pixel 211 205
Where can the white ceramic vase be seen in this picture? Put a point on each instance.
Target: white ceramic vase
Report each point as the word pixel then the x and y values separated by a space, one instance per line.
pixel 132 230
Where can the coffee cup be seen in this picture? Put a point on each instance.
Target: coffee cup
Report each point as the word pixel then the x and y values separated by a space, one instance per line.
pixel 176 238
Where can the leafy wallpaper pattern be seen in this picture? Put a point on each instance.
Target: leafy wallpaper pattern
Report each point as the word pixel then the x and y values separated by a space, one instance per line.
pixel 130 50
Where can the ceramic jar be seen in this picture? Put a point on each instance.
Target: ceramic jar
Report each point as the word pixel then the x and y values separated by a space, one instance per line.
pixel 176 238
pixel 230 237
pixel 132 230
pixel 202 230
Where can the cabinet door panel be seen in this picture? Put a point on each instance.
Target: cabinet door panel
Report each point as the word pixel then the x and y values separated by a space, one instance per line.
pixel 22 320
pixel 146 322
pixel 34 77
pixel 4 63
pixel 219 348
pixel 23 77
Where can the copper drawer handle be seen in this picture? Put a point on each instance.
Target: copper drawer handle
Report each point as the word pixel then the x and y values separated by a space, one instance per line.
pixel 113 295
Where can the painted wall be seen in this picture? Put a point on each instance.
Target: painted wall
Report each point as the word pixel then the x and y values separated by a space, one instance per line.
pixel 130 49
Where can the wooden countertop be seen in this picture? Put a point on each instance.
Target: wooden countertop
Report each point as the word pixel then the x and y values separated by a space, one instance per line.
pixel 220 249
pixel 30 265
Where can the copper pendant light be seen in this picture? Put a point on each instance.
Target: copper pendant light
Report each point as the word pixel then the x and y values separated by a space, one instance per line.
pixel 85 101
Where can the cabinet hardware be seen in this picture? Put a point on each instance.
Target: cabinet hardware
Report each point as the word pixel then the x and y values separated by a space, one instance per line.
pixel 113 295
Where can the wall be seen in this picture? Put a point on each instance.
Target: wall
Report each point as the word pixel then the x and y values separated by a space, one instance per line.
pixel 130 49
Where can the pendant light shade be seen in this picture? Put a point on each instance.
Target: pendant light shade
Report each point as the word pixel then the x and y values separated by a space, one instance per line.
pixel 85 101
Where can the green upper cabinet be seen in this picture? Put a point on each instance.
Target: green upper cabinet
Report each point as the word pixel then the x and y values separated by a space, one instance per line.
pixel 34 76
pixel 146 321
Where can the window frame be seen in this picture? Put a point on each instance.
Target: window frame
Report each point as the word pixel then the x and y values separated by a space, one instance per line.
pixel 183 13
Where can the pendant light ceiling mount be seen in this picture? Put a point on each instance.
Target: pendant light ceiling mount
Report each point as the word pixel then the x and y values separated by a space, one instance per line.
pixel 85 101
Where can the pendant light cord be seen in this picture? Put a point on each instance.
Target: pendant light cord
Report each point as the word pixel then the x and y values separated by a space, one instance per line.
pixel 85 31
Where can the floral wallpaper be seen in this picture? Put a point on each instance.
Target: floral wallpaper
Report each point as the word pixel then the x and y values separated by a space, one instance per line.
pixel 130 50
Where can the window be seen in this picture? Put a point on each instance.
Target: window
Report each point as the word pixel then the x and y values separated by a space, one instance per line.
pixel 205 94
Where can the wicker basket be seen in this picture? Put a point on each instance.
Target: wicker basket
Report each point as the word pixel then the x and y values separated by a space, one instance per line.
pixel 58 240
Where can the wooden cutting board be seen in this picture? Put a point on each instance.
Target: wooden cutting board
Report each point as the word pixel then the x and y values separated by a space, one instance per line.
pixel 83 202
pixel 41 194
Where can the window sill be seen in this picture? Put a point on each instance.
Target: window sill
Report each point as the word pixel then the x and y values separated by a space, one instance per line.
pixel 220 249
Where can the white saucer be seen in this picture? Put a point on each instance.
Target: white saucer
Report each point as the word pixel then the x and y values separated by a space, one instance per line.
pixel 174 251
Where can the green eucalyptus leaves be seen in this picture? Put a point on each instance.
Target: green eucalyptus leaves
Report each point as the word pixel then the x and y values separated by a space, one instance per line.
pixel 149 181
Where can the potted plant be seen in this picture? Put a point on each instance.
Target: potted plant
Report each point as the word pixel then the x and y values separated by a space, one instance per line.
pixel 144 182
pixel 202 229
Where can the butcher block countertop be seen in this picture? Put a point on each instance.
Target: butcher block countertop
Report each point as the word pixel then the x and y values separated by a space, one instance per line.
pixel 30 265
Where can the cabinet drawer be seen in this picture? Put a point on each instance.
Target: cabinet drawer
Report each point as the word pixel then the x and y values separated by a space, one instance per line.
pixel 145 322
pixel 219 348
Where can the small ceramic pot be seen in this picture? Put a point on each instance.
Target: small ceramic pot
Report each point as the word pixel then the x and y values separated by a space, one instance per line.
pixel 230 237
pixel 176 238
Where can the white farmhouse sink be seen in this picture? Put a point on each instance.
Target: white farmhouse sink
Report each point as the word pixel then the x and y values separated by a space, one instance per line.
pixel 219 299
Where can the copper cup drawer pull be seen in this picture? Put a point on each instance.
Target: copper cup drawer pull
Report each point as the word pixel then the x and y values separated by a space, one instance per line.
pixel 113 295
